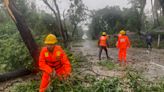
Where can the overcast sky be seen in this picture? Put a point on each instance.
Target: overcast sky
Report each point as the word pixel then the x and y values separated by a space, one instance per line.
pixel 97 4
pixel 93 4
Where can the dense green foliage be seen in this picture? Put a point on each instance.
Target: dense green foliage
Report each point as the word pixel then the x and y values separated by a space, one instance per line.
pixel 77 15
pixel 13 54
pixel 113 19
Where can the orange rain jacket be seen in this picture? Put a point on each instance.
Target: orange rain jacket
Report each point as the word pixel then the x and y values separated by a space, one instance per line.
pixel 49 62
pixel 123 42
pixel 103 41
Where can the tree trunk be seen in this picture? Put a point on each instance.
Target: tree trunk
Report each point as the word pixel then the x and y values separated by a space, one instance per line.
pixel 74 29
pixel 58 18
pixel 60 23
pixel 11 75
pixel 138 27
pixel 142 14
pixel 24 31
pixel 56 15
pixel 152 5
pixel 162 5
pixel 158 23
pixel 64 24
pixel 159 38
pixel 156 6
pixel 26 37
pixel 163 10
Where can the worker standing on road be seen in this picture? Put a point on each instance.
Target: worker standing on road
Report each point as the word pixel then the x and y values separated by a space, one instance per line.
pixel 103 44
pixel 149 41
pixel 53 62
pixel 123 43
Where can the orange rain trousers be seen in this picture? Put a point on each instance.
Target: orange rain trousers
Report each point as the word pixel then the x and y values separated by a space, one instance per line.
pixel 122 54
pixel 123 43
pixel 56 61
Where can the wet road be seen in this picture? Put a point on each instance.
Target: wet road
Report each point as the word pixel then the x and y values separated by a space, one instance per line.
pixel 151 64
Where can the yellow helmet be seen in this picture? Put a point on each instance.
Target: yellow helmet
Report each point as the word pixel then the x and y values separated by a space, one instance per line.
pixel 122 32
pixel 103 33
pixel 50 39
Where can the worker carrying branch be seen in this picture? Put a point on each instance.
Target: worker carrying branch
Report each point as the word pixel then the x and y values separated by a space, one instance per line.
pixel 103 44
pixel 53 62
pixel 122 44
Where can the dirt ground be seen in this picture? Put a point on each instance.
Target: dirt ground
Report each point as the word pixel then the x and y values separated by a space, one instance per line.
pixel 150 64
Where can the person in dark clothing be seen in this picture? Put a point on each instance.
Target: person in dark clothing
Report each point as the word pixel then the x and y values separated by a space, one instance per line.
pixel 103 44
pixel 149 41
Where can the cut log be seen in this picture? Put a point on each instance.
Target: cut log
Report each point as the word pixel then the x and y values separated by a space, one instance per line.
pixel 14 74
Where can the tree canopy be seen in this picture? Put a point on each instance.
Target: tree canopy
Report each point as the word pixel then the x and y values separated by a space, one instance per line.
pixel 113 19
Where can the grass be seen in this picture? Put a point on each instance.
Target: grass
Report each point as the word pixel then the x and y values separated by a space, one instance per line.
pixel 108 64
pixel 28 86
pixel 132 82
pixel 74 84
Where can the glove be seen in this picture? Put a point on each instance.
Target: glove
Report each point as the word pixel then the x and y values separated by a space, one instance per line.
pixel 53 74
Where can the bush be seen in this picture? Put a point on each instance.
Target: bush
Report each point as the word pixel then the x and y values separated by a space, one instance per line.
pixel 112 42
pixel 74 84
pixel 138 43
pixel 29 86
pixel 108 64
pixel 13 54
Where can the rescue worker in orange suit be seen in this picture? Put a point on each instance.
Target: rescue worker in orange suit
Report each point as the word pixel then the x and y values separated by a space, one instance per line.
pixel 103 44
pixel 123 43
pixel 53 62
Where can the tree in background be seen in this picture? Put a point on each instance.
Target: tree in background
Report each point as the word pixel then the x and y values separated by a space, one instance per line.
pixel 155 12
pixel 77 14
pixel 113 19
pixel 162 5
pixel 140 6
pixel 107 19
pixel 131 19
pixel 56 12
pixel 152 6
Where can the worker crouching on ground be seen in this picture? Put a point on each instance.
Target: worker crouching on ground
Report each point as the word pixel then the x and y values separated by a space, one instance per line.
pixel 103 44
pixel 53 62
pixel 122 44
